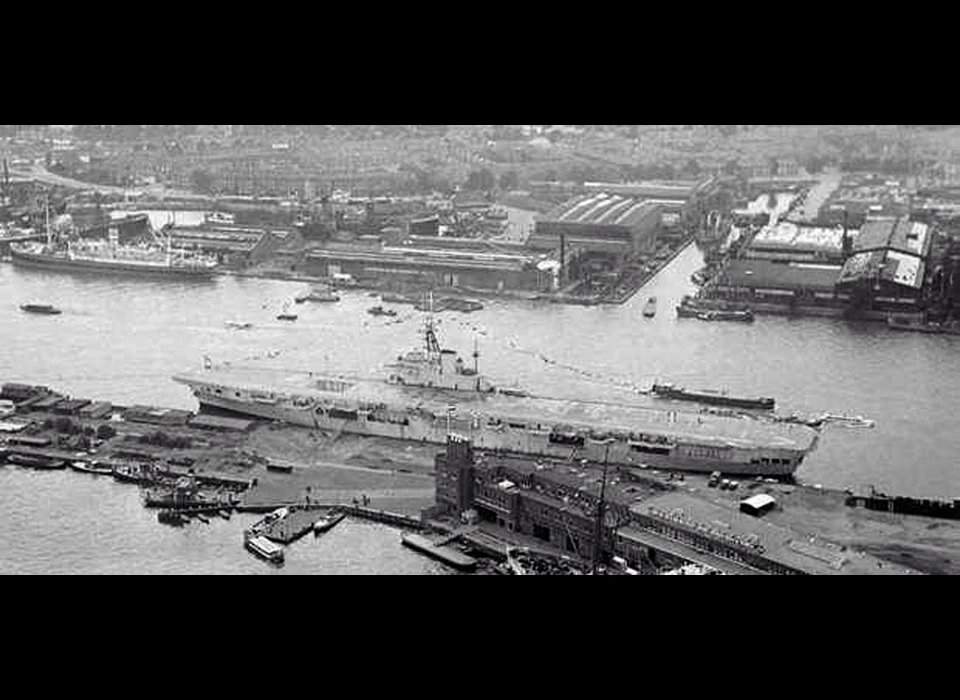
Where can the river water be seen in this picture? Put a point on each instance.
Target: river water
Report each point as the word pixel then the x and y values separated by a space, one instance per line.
pixel 121 340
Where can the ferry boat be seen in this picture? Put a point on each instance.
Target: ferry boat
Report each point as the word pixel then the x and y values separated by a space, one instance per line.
pixel 263 547
pixel 430 393
pixel 46 309
pixel 650 308
pixel 712 397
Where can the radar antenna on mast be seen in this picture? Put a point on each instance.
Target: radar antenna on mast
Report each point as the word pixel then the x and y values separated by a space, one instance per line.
pixel 430 334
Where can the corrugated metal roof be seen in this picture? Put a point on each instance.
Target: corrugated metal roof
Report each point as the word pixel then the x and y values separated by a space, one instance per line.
pixel 603 209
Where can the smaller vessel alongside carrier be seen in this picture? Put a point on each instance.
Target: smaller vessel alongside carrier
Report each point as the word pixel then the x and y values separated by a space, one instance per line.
pixel 712 397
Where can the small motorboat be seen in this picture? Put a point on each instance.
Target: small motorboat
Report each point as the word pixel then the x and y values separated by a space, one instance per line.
pixel 650 308
pixel 43 309
pixel 203 518
pixel 239 325
pixel 380 311
pixel 91 468
pixel 328 522
pixel 286 316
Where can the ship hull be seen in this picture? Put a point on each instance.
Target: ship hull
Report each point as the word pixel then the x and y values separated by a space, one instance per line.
pixel 717 400
pixel 541 441
pixel 44 262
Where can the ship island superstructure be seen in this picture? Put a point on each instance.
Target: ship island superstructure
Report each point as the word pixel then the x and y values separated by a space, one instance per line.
pixel 431 393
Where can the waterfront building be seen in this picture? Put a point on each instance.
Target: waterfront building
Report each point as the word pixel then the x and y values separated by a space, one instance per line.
pixel 474 266
pixel 888 263
pixel 645 522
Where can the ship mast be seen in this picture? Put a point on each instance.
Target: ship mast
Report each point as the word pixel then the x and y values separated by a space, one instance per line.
pixel 430 335
pixel 46 209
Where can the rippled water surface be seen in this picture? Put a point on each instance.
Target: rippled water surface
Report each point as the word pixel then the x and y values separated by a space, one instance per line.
pixel 121 340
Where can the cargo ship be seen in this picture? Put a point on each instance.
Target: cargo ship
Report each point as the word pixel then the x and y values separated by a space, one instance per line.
pixel 430 393
pixel 712 397
pixel 70 253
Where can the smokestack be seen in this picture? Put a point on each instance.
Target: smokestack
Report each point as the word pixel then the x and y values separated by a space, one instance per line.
pixel 846 245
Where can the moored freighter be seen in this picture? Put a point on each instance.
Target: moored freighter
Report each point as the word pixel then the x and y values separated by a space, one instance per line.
pixel 430 393
pixel 71 253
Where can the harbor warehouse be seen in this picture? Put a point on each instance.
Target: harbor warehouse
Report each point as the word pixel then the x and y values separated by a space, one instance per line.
pixel 613 224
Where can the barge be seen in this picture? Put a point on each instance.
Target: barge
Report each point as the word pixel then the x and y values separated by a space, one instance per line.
pixel 712 397
pixel 446 555
pixel 263 548
pixel 43 309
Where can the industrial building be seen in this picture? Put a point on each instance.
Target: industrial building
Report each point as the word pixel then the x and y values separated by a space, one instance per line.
pixel 476 267
pixel 771 281
pixel 888 262
pixel 612 225
pixel 645 522
pixel 234 246
pixel 789 242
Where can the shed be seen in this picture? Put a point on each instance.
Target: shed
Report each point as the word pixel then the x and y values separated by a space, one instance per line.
pixel 758 505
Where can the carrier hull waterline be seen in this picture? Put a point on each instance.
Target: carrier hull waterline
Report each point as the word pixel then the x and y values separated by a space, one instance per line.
pixel 622 434
pixel 431 393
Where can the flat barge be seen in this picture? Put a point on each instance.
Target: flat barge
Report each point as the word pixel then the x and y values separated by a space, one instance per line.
pixel 904 505
pixel 712 397
pixel 446 555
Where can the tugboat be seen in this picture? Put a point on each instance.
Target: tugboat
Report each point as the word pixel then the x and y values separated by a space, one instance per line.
pixel 286 315
pixel 380 311
pixel 45 309
pixel 650 309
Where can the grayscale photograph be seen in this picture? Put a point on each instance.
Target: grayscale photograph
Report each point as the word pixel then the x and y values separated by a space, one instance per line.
pixel 602 350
